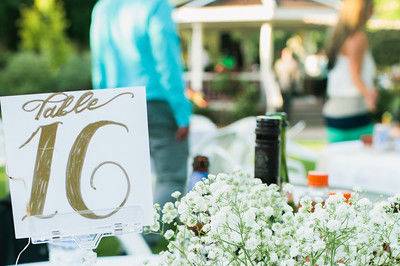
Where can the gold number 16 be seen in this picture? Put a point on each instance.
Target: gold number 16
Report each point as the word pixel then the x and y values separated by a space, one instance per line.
pixel 44 158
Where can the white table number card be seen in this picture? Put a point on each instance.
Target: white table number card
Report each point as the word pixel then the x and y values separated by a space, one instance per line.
pixel 78 162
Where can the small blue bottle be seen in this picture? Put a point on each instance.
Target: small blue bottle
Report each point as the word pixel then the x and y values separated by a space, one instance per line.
pixel 200 171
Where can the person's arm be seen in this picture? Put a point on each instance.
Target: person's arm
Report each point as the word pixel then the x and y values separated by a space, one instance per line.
pixel 167 53
pixel 355 50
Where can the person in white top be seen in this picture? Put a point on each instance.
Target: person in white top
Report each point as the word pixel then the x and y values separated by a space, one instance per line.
pixel 351 92
pixel 288 74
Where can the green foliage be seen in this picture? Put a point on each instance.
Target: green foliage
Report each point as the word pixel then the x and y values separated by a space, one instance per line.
pixel 3 183
pixel 314 40
pixel 280 39
pixel 4 57
pixel 43 31
pixel 75 73
pixel 244 95
pixel 9 14
pixel 29 72
pixel 79 15
pixel 385 47
pixel 387 9
pixel 389 101
pixel 26 73
pixel 395 107
pixel 223 84
pixel 109 246
pixel 247 102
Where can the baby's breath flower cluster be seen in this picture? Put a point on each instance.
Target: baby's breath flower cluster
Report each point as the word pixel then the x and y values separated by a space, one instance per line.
pixel 237 220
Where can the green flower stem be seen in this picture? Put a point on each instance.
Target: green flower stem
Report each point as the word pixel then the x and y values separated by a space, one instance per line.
pixel 283 170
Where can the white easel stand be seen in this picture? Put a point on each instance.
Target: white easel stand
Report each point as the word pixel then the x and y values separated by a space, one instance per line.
pixel 74 251
pixel 67 249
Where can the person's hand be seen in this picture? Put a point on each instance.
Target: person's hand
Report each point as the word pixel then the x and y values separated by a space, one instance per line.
pixel 371 99
pixel 182 133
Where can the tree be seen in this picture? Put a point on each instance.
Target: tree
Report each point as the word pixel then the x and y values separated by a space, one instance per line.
pixel 42 30
pixel 9 13
pixel 79 15
pixel 387 9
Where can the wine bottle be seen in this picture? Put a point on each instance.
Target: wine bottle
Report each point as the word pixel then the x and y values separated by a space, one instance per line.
pixel 267 149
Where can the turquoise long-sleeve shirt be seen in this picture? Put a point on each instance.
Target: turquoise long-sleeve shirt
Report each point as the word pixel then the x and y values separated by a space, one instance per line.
pixel 135 43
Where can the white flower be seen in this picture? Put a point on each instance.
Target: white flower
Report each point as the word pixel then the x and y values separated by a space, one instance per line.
pixel 237 220
pixel 294 251
pixel 176 194
pixel 289 262
pixel 333 225
pixel 169 234
pixel 169 213
pixel 273 257
pixel 288 188
pixel 252 243
pixel 268 212
pixel 155 227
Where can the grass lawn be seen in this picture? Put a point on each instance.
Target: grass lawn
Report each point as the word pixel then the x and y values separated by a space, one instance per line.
pixel 109 246
pixel 3 183
pixel 313 145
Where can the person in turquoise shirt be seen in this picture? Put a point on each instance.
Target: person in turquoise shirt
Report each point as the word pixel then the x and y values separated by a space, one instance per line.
pixel 135 43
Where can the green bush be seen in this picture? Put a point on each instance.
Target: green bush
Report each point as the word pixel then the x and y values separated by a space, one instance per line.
pixel 388 101
pixel 384 45
pixel 387 9
pixel 3 183
pixel 43 30
pixel 26 73
pixel 75 74
pixel 223 84
pixel 4 58
pixel 79 15
pixel 247 102
pixel 109 246
pixel 9 14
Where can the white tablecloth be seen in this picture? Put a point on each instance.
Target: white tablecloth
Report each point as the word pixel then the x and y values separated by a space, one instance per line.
pixel 351 164
pixel 115 261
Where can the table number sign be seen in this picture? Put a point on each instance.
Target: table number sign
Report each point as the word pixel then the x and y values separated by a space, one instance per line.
pixel 78 162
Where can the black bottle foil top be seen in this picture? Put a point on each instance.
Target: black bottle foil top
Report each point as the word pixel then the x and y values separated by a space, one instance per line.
pixel 267 149
pixel 268 128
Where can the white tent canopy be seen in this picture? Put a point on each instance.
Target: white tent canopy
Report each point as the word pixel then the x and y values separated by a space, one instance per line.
pixel 262 14
pixel 219 11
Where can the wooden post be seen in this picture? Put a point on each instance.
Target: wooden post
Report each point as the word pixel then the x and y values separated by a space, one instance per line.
pixel 196 57
pixel 267 77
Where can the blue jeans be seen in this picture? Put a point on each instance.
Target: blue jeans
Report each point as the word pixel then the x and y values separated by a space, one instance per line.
pixel 169 155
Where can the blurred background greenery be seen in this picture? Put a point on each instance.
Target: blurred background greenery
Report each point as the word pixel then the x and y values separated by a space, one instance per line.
pixel 3 184
pixel 44 45
pixel 53 35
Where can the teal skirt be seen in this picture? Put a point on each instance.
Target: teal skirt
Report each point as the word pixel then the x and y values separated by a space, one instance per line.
pixel 347 119
pixel 339 135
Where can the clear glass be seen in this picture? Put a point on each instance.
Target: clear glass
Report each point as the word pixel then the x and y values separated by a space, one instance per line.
pixel 67 252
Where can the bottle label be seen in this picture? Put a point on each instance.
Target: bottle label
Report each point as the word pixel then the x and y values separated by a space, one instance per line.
pixel 267 164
